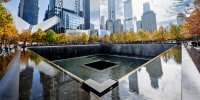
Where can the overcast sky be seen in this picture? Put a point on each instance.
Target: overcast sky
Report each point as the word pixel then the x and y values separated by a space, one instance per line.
pixel 166 10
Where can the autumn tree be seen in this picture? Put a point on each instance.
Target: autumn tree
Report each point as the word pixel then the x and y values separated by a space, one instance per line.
pixel 149 36
pixel 118 36
pixel 131 36
pixel 124 37
pixel 39 36
pixel 51 36
pixel 175 32
pixel 96 38
pixel 62 38
pixel 163 34
pixel 73 38
pixel 13 38
pixel 84 37
pixel 192 23
pixel 91 39
pixel 106 38
pixel 4 1
pixel 25 36
pixel 142 36
pixel 112 37
pixel 155 35
pixel 5 23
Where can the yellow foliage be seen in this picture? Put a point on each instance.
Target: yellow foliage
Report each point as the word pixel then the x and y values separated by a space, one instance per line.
pixel 25 36
pixel 84 37
pixel 62 38
pixel 106 38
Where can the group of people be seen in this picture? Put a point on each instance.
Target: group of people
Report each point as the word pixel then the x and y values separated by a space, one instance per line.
pixel 11 48
pixel 193 43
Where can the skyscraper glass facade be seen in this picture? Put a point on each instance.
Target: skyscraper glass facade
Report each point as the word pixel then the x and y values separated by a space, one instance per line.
pixel 128 15
pixel 86 7
pixel 69 14
pixel 28 11
pixel 146 7
pixel 149 21
pixel 72 21
pixel 111 10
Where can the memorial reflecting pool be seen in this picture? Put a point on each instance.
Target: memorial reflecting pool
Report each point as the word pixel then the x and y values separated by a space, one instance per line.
pixel 159 79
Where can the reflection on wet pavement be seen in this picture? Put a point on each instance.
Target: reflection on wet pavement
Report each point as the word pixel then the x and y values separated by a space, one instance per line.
pixel 5 59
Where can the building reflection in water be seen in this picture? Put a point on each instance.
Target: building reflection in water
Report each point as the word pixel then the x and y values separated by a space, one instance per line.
pixel 154 70
pixel 40 80
pixel 133 83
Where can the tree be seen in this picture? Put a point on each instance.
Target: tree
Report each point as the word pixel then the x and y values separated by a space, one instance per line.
pixel 25 36
pixel 192 23
pixel 175 32
pixel 163 34
pixel 112 37
pixel 142 36
pixel 96 38
pixel 155 35
pixel 73 38
pixel 39 36
pixel 84 37
pixel 5 23
pixel 4 1
pixel 131 36
pixel 63 38
pixel 51 36
pixel 149 36
pixel 124 37
pixel 118 36
pixel 13 38
pixel 91 39
pixel 106 38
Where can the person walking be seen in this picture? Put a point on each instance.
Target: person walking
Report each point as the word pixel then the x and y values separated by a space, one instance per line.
pixel 0 49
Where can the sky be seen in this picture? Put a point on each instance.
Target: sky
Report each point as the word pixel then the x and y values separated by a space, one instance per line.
pixel 166 10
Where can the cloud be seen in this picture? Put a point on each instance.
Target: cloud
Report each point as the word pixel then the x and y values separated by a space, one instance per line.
pixel 166 10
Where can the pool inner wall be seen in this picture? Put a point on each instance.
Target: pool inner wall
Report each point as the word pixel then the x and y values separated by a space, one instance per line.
pixel 132 50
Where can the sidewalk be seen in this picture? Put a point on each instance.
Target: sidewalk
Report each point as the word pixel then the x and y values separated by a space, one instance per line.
pixel 9 89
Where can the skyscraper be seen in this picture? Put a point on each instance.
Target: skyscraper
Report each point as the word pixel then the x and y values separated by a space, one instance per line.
pixel 102 26
pixel 146 7
pixel 110 26
pixel 68 11
pixel 139 25
pixel 111 10
pixel 28 11
pixel 118 25
pixel 180 18
pixel 148 19
pixel 111 16
pixel 128 15
pixel 86 10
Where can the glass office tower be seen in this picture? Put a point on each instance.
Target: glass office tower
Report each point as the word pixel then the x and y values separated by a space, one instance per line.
pixel 68 11
pixel 28 11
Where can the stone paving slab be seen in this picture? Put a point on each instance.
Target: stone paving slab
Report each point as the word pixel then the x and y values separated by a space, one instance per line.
pixel 99 88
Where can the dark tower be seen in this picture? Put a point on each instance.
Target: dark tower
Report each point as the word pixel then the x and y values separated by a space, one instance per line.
pixel 86 10
pixel 28 11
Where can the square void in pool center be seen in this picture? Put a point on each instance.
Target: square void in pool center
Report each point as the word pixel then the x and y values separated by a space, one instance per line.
pixel 100 65
pixel 90 67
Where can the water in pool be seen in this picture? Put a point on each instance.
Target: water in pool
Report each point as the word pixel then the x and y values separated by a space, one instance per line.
pixel 122 66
